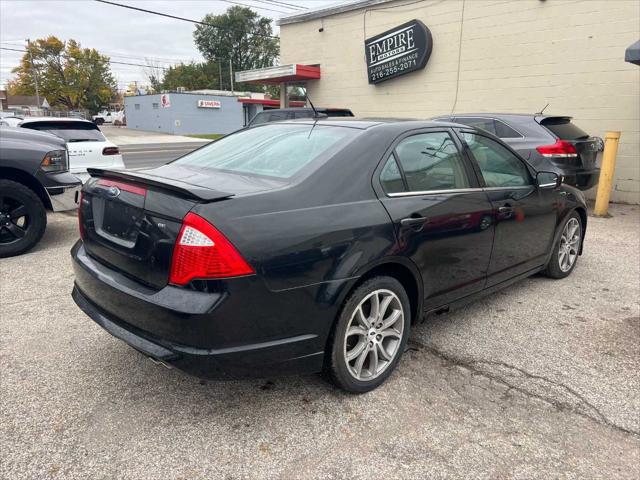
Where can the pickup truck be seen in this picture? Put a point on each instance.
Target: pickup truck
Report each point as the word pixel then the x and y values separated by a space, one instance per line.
pixel 34 178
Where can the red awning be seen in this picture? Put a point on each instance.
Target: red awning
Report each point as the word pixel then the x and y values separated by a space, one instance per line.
pixel 270 102
pixel 282 73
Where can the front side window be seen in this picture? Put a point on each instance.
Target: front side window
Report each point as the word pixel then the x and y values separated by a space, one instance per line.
pixel 431 161
pixel 274 150
pixel 499 166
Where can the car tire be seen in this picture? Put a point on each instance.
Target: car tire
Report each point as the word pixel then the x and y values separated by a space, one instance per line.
pixel 365 348
pixel 565 251
pixel 16 198
pixel 99 121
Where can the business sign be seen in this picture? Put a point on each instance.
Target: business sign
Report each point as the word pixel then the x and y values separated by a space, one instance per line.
pixel 165 100
pixel 209 104
pixel 399 51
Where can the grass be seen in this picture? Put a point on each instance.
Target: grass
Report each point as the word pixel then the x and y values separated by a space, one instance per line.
pixel 207 136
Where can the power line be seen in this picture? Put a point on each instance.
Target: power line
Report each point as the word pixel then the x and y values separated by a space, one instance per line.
pixel 284 4
pixel 197 22
pixel 110 61
pixel 252 6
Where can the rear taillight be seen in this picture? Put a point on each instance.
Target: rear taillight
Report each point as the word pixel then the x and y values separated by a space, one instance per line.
pixel 80 217
pixel 111 151
pixel 560 149
pixel 203 252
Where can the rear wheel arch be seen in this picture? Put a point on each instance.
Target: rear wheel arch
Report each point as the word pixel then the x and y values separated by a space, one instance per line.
pixel 403 271
pixel 29 181
pixel 583 220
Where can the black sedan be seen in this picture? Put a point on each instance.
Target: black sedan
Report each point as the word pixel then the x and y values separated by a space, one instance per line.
pixel 306 245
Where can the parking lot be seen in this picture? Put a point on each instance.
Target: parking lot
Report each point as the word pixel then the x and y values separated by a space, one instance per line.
pixel 540 380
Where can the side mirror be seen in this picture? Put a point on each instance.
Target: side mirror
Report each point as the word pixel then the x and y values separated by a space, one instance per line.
pixel 549 180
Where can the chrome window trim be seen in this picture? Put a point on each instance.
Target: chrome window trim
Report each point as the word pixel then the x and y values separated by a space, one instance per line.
pixel 457 190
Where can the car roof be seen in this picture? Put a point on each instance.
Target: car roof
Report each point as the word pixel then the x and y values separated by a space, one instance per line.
pixel 54 119
pixel 504 115
pixel 302 109
pixel 28 135
pixel 366 123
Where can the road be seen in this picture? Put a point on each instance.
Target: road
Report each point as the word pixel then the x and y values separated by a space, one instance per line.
pixel 537 381
pixel 155 154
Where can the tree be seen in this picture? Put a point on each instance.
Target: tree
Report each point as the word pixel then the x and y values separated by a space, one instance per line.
pixel 241 36
pixel 192 76
pixel 68 75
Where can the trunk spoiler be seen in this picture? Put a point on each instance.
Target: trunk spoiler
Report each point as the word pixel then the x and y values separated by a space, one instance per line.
pixel 183 189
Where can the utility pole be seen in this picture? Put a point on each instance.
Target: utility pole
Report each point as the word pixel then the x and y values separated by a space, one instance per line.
pixel 231 74
pixel 220 73
pixel 35 73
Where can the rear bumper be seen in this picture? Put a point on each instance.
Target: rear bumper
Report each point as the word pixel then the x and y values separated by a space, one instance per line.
pixel 581 179
pixel 64 198
pixel 204 334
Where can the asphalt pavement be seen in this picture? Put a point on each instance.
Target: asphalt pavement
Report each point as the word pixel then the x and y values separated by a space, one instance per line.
pixel 541 380
pixel 155 154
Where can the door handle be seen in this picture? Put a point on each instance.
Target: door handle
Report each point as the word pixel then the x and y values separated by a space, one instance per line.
pixel 416 223
pixel 505 209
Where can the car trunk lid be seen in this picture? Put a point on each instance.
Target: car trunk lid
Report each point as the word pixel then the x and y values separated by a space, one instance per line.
pixel 131 220
pixel 586 147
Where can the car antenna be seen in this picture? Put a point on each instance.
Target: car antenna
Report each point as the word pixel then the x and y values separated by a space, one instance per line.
pixel 540 112
pixel 306 96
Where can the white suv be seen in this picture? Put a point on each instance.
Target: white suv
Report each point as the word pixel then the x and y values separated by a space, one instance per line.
pixel 87 146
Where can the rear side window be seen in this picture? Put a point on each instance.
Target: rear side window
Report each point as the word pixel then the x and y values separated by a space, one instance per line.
pixel 391 178
pixel 69 131
pixel 277 150
pixel 492 125
pixel 505 131
pixel 562 128
pixel 431 161
pixel 485 124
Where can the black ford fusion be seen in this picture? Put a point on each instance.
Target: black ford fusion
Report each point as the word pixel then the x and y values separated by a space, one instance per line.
pixel 303 246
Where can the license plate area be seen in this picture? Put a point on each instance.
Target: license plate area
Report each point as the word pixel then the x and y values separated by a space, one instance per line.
pixel 118 212
pixel 116 221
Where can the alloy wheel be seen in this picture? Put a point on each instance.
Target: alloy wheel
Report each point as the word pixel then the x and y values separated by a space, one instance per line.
pixel 569 245
pixel 14 220
pixel 374 335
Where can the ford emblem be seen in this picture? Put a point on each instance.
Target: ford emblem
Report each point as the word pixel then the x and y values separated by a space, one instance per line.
pixel 113 191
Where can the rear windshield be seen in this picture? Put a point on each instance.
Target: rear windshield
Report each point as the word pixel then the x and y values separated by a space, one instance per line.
pixel 274 150
pixel 562 128
pixel 69 131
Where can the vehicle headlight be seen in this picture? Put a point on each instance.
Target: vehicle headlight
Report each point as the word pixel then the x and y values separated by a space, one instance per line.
pixel 55 161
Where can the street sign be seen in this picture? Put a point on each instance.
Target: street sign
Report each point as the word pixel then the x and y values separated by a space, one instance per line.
pixel 398 51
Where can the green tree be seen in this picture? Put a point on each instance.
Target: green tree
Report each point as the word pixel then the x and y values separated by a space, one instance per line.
pixel 241 36
pixel 192 76
pixel 68 75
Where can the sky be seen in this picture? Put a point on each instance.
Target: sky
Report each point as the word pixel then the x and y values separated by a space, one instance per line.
pixel 124 35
